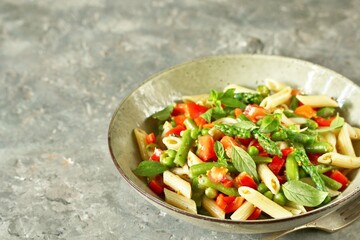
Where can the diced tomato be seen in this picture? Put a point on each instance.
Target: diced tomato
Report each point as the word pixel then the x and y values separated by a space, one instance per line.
pixel 245 141
pixel 156 155
pixel 313 157
pixel 228 142
pixel 281 178
pixel 175 130
pixel 324 122
pixel 195 110
pixel 179 109
pixel 200 121
pixel 220 201
pixel 234 204
pixel 179 119
pixel 227 182
pixel 254 112
pixel 150 138
pixel 208 125
pixel 276 164
pixel 217 174
pixel 339 177
pixel 157 185
pixel 205 148
pixel 286 151
pixel 305 111
pixel 245 179
pixel 237 112
pixel 255 215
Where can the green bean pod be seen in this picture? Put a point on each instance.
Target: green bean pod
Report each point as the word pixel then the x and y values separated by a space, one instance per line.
pixel 310 124
pixel 205 182
pixel 292 168
pixel 302 138
pixel 326 112
pixel 202 168
pixel 184 148
pixel 260 159
pixel 319 147
pixel 167 158
pixel 331 183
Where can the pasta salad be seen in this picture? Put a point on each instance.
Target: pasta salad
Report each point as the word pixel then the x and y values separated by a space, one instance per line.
pixel 247 154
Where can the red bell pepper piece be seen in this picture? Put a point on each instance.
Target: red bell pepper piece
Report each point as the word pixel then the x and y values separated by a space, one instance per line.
pixel 339 177
pixel 245 179
pixel 157 185
pixel 195 110
pixel 255 215
pixel 286 151
pixel 276 165
pixel 175 130
pixel 324 122
pixel 305 111
pixel 150 138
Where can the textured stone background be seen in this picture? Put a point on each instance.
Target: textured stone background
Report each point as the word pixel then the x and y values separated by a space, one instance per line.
pixel 65 66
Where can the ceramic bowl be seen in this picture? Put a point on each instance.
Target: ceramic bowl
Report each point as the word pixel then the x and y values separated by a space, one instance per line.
pixel 202 75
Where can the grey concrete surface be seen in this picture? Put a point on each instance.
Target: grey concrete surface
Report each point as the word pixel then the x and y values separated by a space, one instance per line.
pixel 66 65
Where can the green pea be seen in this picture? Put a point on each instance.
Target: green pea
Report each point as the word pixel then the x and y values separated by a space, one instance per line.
pixel 269 194
pixel 263 90
pixel 280 198
pixel 253 151
pixel 262 188
pixel 211 192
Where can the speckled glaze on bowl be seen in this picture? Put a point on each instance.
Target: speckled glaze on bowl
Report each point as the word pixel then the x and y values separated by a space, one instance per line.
pixel 202 75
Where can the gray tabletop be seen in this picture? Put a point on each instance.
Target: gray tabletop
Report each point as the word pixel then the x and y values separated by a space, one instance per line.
pixel 66 65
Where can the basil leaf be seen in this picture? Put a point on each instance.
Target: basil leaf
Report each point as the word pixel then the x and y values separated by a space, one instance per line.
pixel 336 123
pixel 233 103
pixel 244 124
pixel 270 123
pixel 219 150
pixel 163 114
pixel 207 115
pixel 149 168
pixel 302 193
pixel 243 162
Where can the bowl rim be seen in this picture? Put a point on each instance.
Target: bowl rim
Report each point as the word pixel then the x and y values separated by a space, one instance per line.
pixel 149 197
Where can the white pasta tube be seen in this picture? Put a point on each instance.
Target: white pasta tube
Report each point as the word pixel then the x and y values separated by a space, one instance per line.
pixel 317 101
pixel 274 85
pixel 192 159
pixel 330 137
pixel 268 177
pixel 180 201
pixel 198 99
pixel 339 160
pixel 354 132
pixel 243 212
pixel 172 142
pixel 140 136
pixel 276 99
pixel 265 204
pixel 296 206
pixel 177 183
pixel 239 89
pixel 184 170
pixel 344 141
pixel 166 127
pixel 294 211
pixel 214 210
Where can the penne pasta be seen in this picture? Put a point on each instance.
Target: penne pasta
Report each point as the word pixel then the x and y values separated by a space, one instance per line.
pixel 340 160
pixel 269 178
pixel 239 89
pixel 198 99
pixel 243 212
pixel 265 204
pixel 274 85
pixel 276 99
pixel 294 211
pixel 180 201
pixel 317 101
pixel 172 142
pixel 330 137
pixel 344 141
pixel 354 132
pixel 177 183
pixel 140 136
pixel 213 209
pixel 296 206
pixel 192 159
